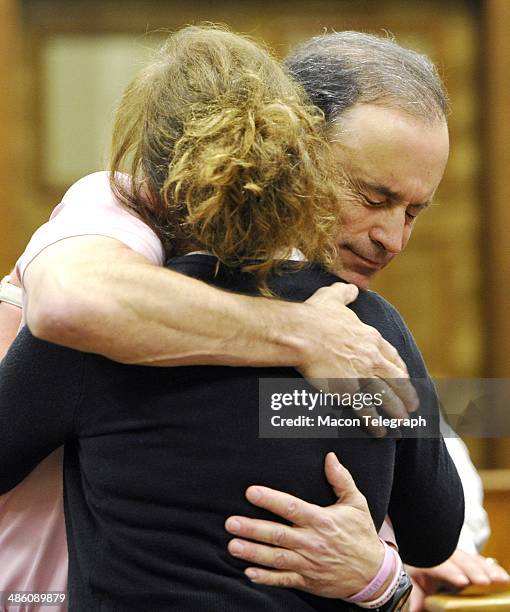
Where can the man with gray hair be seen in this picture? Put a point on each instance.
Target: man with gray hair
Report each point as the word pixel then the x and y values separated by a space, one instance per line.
pixel 386 109
pixel 386 112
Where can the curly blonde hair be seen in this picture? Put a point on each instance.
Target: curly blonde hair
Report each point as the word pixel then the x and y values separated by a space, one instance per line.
pixel 223 152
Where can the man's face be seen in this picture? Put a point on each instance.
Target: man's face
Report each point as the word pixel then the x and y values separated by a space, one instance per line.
pixel 393 164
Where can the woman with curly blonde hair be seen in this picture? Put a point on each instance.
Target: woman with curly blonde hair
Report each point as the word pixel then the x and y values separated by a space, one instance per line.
pixel 223 152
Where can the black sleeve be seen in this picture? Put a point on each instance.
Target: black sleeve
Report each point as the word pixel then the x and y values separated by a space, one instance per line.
pixel 40 386
pixel 427 500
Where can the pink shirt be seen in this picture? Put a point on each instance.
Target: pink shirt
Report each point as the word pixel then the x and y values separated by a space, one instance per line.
pixel 33 547
pixel 90 208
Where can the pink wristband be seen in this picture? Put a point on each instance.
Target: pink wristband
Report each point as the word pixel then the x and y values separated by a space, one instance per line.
pixel 379 579
pixel 390 590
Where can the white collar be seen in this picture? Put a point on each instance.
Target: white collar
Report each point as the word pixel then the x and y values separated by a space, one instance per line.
pixel 295 255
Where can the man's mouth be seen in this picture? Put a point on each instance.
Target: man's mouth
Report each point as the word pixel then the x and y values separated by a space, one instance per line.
pixel 365 261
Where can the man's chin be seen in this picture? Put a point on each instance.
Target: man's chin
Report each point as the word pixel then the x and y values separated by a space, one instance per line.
pixel 362 281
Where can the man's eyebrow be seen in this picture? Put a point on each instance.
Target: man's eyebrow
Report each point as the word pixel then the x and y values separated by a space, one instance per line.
pixel 390 194
pixel 423 205
pixel 381 189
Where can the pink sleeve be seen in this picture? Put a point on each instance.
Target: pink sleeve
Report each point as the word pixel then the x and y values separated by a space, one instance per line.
pixel 90 208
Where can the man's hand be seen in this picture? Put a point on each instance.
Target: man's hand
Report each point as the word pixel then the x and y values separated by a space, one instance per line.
pixel 457 572
pixel 331 552
pixel 355 354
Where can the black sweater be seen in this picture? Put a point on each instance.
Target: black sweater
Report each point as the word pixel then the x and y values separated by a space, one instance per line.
pixel 157 458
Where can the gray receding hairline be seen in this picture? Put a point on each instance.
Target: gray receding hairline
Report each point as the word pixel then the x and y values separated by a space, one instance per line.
pixel 341 69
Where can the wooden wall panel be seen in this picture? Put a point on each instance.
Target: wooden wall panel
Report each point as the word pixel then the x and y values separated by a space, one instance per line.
pixel 496 212
pixel 436 283
pixel 11 233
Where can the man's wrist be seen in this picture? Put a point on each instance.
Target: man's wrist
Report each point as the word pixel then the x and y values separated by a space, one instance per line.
pixel 284 330
pixel 396 568
pixel 396 594
pixel 296 334
pixel 388 568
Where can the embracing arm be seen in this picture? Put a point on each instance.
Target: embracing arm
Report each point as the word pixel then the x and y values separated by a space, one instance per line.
pixel 39 388
pixel 427 500
pixel 95 294
pixel 331 551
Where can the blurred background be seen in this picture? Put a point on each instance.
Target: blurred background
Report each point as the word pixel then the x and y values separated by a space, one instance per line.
pixel 63 65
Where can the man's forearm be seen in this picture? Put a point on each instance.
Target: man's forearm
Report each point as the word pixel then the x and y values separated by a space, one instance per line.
pixel 134 312
pixel 94 294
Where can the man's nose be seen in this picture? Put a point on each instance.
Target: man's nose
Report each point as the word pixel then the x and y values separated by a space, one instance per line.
pixel 390 230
